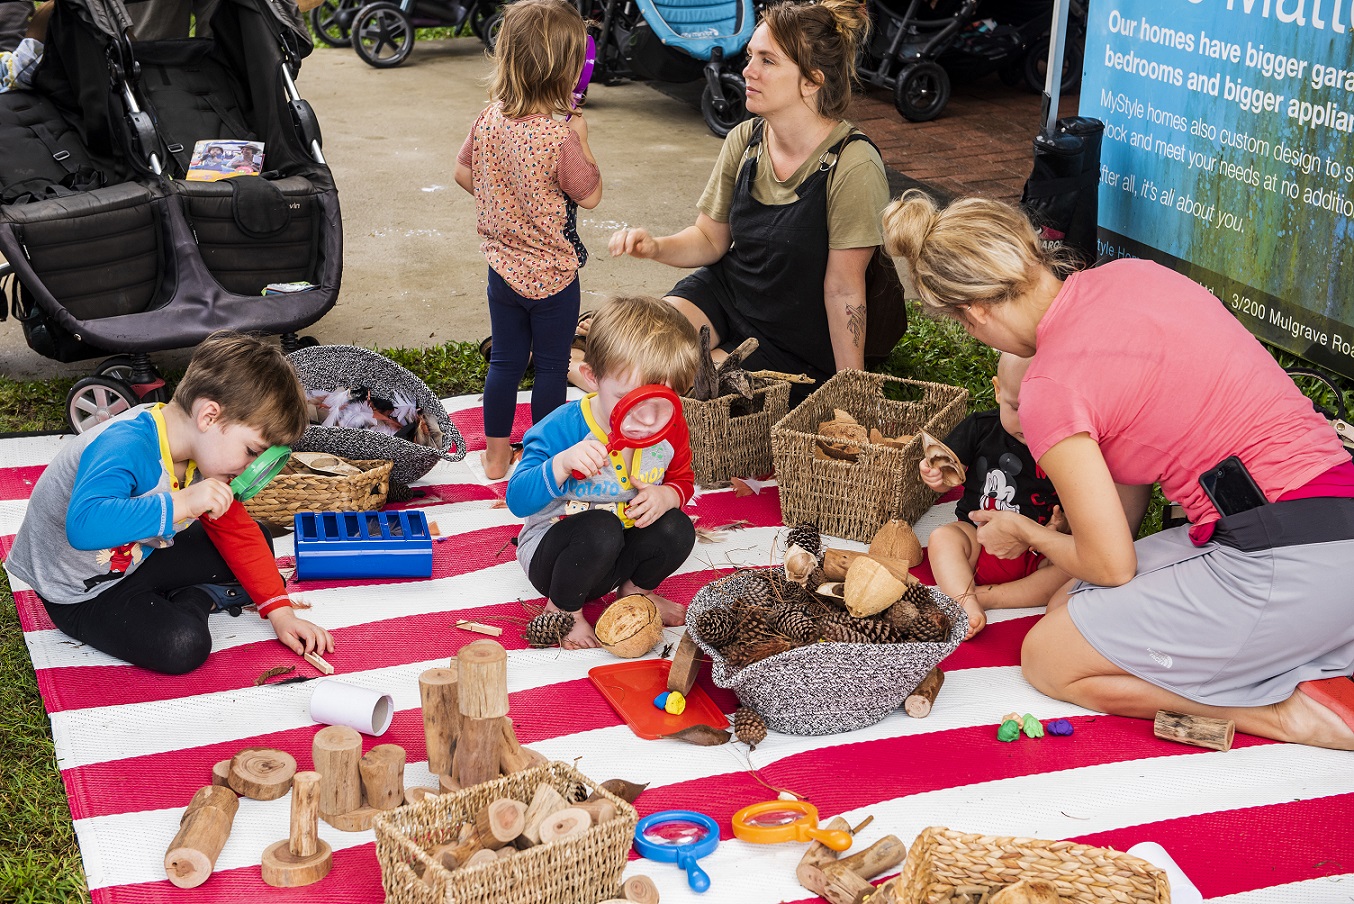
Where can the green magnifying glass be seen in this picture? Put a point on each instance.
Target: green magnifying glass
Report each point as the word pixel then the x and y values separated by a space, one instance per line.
pixel 263 469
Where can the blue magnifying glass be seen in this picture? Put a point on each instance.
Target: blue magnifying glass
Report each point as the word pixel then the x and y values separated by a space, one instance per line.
pixel 681 837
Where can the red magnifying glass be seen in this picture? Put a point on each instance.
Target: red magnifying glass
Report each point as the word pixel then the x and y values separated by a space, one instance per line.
pixel 643 417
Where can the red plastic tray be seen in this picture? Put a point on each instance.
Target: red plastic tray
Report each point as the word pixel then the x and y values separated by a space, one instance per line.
pixel 630 688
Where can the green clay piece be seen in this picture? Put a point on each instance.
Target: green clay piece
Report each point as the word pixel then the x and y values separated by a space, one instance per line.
pixel 1032 727
pixel 1009 731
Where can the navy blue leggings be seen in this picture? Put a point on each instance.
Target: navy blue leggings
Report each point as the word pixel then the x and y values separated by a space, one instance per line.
pixel 523 329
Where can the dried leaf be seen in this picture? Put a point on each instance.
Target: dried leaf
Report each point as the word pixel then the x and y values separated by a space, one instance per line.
pixel 273 673
pixel 499 504
pixel 708 535
pixel 626 791
pixel 701 736
pixel 741 487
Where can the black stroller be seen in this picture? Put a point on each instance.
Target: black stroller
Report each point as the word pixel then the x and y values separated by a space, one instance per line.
pixel 904 50
pixel 382 33
pixel 112 250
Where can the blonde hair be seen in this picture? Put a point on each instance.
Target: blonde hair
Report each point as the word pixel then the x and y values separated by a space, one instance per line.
pixel 252 381
pixel 974 251
pixel 643 337
pixel 538 57
pixel 822 39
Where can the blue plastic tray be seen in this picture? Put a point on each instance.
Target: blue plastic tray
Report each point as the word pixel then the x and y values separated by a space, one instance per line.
pixel 362 545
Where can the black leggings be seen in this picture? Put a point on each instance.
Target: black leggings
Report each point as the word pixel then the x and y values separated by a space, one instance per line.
pixel 590 554
pixel 142 620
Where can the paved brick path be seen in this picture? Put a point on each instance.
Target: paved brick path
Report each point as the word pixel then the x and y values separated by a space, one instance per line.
pixel 981 144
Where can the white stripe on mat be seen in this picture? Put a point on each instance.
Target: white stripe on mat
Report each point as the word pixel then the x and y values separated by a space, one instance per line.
pixel 1326 890
pixel 1074 802
pixel 26 451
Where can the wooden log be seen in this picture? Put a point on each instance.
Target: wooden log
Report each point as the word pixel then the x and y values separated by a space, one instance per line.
pixel 221 774
pixel 261 773
pixel 203 830
pixel 304 840
pixel 478 757
pixel 479 858
pixel 499 822
pixel 600 809
pixel 417 794
pixel 336 752
pixel 837 561
pixel 1200 731
pixel 449 785
pixel 686 665
pixel 456 854
pixel 562 824
pixel 843 886
pixel 483 680
pixel 382 771
pixel 918 703
pixel 544 804
pixel 358 820
pixel 441 716
pixel 809 872
pixel 640 890
pixel 513 757
pixel 883 855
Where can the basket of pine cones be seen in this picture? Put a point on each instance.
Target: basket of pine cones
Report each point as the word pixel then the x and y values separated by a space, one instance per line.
pixel 807 662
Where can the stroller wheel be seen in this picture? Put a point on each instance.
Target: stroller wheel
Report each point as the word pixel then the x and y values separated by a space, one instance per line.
pixel 119 367
pixel 1036 66
pixel 921 91
pixel 330 21
pixel 722 114
pixel 93 400
pixel 383 36
pixel 490 29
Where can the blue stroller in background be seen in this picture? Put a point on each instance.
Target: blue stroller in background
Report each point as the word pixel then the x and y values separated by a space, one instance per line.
pixel 715 33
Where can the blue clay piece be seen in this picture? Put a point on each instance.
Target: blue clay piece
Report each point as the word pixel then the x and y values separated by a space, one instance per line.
pixel 661 701
pixel 1060 727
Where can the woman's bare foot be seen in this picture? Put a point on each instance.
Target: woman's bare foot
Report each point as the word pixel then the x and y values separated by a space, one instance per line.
pixel 497 457
pixel 1305 721
pixel 582 636
pixel 673 614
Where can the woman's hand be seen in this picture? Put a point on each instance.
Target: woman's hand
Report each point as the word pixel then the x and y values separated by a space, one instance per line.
pixel 299 635
pixel 586 457
pixel 651 502
pixel 1001 533
pixel 636 241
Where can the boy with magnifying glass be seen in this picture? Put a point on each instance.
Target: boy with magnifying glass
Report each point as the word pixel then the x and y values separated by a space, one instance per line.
pixel 133 535
pixel 602 494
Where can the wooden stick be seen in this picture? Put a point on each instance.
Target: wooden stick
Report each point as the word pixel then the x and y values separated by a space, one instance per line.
pixel 918 703
pixel 843 886
pixel 599 809
pixel 479 628
pixel 261 773
pixel 382 771
pixel 336 752
pixel 837 561
pixel 883 855
pixel 686 664
pixel 483 692
pixel 437 691
pixel 318 661
pixel 544 803
pixel 640 890
pixel 499 822
pixel 203 830
pixel 1200 731
pixel 809 872
pixel 566 822
pixel 478 756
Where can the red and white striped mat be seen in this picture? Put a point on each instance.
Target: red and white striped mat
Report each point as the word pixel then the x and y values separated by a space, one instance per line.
pixel 1261 824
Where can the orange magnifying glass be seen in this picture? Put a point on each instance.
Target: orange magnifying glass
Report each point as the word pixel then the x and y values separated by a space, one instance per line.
pixel 642 417
pixel 777 821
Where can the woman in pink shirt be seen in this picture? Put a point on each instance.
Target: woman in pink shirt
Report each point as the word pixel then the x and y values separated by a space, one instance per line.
pixel 1140 376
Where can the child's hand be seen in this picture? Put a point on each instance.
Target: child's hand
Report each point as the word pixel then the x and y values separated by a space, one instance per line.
pixel 650 502
pixel 932 477
pixel 1058 521
pixel 635 241
pixel 299 635
pixel 578 124
pixel 209 496
pixel 586 457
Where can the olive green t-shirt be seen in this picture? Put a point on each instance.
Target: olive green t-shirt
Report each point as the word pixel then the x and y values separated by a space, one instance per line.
pixel 857 193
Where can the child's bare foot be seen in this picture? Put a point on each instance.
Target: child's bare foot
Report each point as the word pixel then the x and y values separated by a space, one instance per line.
pixel 582 636
pixel 497 457
pixel 673 614
pixel 977 618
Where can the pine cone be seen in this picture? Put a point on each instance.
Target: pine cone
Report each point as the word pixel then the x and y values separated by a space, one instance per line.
pixel 548 629
pixel 805 535
pixel 930 626
pixel 783 591
pixel 816 578
pixel 748 727
pixel 900 616
pixel 794 624
pixel 918 595
pixel 836 631
pixel 862 630
pixel 716 626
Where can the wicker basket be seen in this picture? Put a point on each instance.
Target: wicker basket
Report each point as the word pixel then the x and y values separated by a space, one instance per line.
pixel 580 869
pixel 851 499
pixel 299 489
pixel 823 688
pixel 941 860
pixel 725 445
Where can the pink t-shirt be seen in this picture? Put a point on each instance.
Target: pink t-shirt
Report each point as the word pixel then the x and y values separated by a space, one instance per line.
pixel 1156 370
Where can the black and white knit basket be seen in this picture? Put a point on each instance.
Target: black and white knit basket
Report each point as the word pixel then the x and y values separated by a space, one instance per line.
pixel 328 366
pixel 824 688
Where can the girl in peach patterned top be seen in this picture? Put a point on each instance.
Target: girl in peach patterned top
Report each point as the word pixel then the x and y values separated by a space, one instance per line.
pixel 528 165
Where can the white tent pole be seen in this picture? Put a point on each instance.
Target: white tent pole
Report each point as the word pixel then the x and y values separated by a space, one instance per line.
pixel 1054 77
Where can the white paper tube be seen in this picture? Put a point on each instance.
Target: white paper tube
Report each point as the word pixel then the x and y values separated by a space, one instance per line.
pixel 337 703
pixel 1182 890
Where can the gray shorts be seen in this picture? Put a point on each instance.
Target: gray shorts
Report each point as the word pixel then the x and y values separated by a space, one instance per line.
pixel 1226 626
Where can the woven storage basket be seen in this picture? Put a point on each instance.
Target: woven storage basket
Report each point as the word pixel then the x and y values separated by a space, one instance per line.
pixel 724 445
pixel 851 499
pixel 581 869
pixel 824 688
pixel 941 859
pixel 329 366
pixel 299 489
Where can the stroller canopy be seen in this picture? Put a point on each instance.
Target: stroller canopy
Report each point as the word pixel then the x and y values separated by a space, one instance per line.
pixel 696 27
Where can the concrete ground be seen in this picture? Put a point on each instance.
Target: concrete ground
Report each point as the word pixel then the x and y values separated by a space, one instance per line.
pixel 413 274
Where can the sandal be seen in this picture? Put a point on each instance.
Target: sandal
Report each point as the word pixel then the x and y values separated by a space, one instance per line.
pixel 487 348
pixel 580 334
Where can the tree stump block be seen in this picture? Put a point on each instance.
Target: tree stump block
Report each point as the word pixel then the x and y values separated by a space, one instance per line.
pixel 261 773
pixel 303 857
pixel 686 665
pixel 483 680
pixel 437 690
pixel 382 771
pixel 337 752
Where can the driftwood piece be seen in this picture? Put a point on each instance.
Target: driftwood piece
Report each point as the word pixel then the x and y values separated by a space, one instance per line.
pixel 1200 731
pixel 261 773
pixel 437 690
pixel 843 886
pixel 918 703
pixel 499 822
pixel 686 664
pixel 640 890
pixel 837 561
pixel 883 855
pixel 810 869
pixel 706 385
pixel 513 757
pixel 203 830
pixel 382 771
pixel 303 857
pixel 336 752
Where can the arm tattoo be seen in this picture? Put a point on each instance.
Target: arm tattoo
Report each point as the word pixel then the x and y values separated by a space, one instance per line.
pixel 855 322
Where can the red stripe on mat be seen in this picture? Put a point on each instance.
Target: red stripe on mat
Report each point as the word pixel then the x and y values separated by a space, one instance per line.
pixel 445 493
pixel 17 483
pixel 470 421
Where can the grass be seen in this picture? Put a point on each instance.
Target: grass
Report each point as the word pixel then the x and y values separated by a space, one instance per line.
pixel 39 859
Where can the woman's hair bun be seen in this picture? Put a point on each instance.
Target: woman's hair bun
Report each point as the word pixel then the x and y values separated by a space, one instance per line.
pixel 907 222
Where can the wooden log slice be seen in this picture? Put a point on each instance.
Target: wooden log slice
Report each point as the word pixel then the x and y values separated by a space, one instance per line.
pixel 640 890
pixel 499 822
pixel 283 869
pixel 221 774
pixel 358 820
pixel 418 794
pixel 262 773
pixel 686 665
pixel 562 824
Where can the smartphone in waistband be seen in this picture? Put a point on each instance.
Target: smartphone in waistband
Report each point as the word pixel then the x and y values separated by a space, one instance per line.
pixel 1230 487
